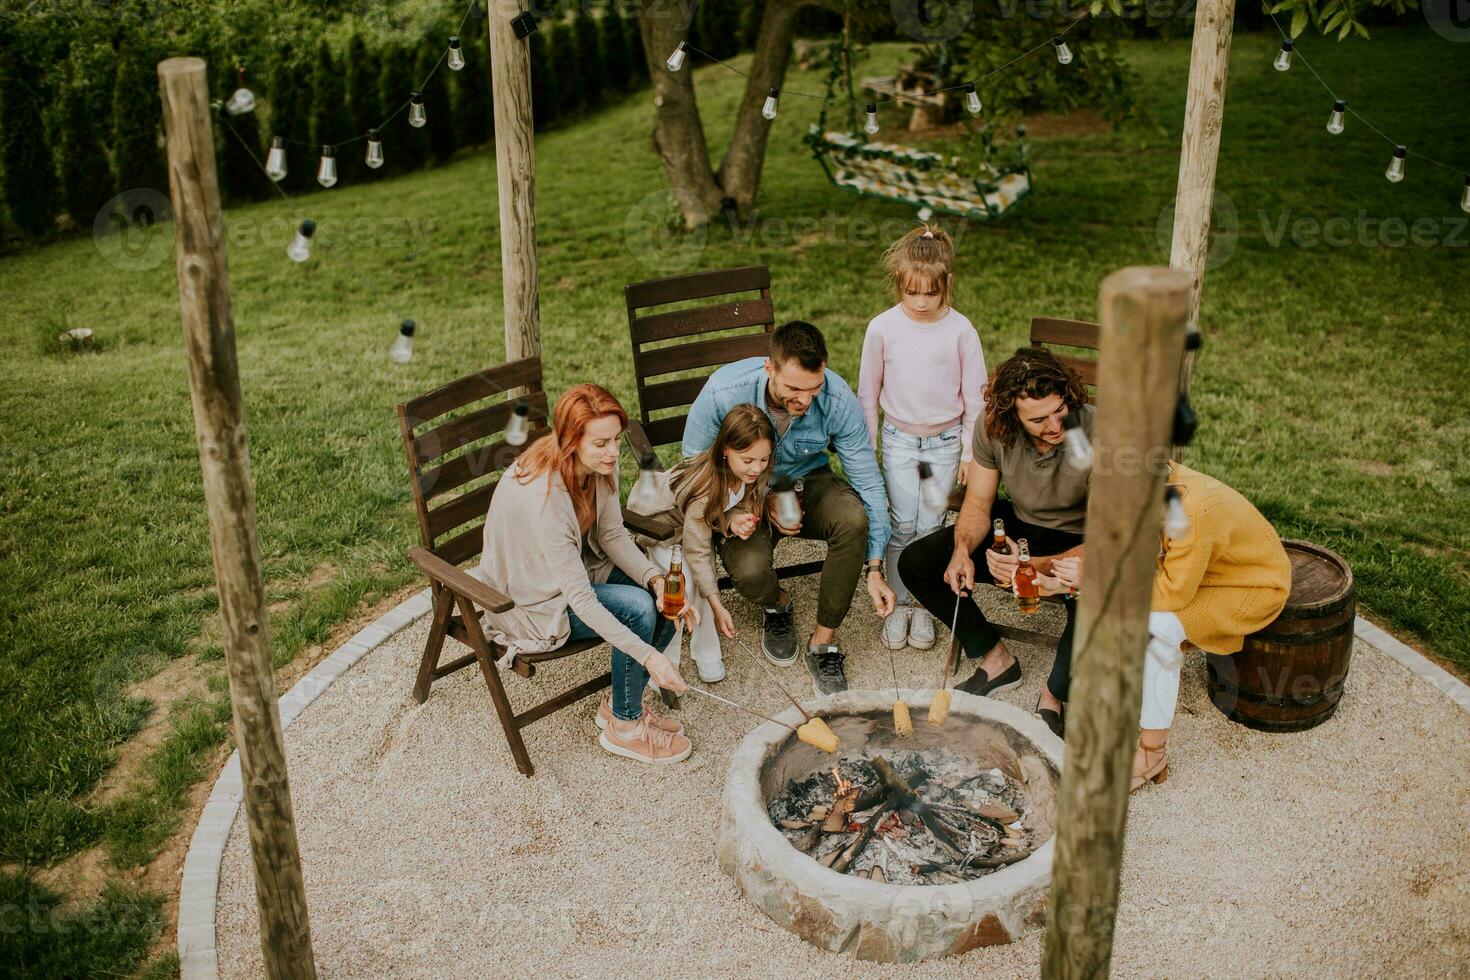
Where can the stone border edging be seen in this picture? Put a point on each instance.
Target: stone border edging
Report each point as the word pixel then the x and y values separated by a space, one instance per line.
pixel 198 958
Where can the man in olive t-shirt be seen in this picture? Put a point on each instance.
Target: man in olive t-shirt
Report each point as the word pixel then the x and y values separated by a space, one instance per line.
pixel 1022 443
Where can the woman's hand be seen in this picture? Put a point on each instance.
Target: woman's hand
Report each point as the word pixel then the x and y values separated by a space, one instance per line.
pixel 665 674
pixel 656 585
pixel 724 622
pixel 1050 585
pixel 1068 571
pixel 744 525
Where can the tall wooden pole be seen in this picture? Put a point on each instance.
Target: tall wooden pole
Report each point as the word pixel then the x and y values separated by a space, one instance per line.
pixel 219 423
pixel 515 168
pixel 1204 115
pixel 1143 315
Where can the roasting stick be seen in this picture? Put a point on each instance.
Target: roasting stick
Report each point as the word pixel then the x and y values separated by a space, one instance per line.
pixel 939 707
pixel 814 727
pixel 806 733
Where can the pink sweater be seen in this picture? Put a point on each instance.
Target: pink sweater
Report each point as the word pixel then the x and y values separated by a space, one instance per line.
pixel 925 376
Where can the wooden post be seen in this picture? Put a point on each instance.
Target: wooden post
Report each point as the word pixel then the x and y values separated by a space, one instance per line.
pixel 219 423
pixel 1143 314
pixel 515 169
pixel 1204 115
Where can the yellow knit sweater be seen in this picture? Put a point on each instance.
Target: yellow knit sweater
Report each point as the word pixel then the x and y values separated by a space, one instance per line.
pixel 1229 575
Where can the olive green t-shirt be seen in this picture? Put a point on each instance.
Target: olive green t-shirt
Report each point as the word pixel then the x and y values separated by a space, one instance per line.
pixel 1046 490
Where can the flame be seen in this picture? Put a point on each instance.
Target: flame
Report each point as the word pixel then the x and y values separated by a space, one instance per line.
pixel 844 786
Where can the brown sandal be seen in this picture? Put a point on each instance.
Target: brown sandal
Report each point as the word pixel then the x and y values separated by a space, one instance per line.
pixel 1155 773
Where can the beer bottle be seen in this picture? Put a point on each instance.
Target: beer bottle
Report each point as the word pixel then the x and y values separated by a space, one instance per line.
pixel 998 527
pixel 674 585
pixel 1028 593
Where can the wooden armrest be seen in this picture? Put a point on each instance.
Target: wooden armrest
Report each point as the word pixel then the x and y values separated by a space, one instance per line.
pixel 459 581
pixel 659 527
pixel 638 439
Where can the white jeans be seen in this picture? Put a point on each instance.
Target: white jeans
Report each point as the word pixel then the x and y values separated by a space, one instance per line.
pixel 1161 665
pixel 909 515
pixel 704 642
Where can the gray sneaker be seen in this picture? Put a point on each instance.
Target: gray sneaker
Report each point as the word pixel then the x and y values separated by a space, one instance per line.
pixel 778 636
pixel 824 663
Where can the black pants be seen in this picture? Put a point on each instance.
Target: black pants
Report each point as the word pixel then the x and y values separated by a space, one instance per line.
pixel 922 566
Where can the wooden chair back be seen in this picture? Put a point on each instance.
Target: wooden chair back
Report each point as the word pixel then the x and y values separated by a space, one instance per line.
pixel 1051 333
pixel 455 440
pixel 675 350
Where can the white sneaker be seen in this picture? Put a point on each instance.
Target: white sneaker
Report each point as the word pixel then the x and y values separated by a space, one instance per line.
pixel 921 630
pixel 896 629
pixel 712 674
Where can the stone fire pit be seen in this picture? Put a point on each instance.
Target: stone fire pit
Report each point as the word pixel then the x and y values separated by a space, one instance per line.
pixel 874 920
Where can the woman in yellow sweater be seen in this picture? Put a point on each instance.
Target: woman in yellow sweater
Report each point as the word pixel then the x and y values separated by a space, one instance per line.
pixel 1223 578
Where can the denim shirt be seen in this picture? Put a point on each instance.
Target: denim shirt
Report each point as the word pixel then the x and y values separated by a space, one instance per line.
pixel 833 421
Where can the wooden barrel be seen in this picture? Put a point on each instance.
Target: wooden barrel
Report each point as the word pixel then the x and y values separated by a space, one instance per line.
pixel 1289 676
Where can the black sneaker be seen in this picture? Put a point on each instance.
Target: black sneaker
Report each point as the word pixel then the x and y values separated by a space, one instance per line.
pixel 824 662
pixel 982 685
pixel 778 636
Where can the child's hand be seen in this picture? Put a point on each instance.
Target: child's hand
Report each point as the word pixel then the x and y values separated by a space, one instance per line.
pixel 960 477
pixel 744 525
pixel 724 622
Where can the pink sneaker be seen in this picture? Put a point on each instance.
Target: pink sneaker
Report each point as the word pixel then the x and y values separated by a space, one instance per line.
pixel 604 715
pixel 646 743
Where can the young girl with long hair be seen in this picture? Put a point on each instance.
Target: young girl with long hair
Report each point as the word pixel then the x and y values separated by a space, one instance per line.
pixel 924 369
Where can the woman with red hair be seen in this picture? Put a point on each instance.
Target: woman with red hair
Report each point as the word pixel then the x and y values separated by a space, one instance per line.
pixel 555 544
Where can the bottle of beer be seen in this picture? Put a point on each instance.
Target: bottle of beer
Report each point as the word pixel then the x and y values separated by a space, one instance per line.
pixel 674 585
pixel 1028 593
pixel 998 527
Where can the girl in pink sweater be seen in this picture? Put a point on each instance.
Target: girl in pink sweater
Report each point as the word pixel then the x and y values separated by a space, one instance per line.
pixel 924 370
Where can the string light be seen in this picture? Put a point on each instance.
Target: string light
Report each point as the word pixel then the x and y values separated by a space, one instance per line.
pixel 1064 53
pixel 524 25
pixel 1176 521
pixel 300 247
pixel 275 160
pixel 374 156
pixel 1283 57
pixel 402 350
pixel 870 125
pixel 1335 121
pixel 326 170
pixel 769 109
pixel 934 494
pixel 1465 198
pixel 455 58
pixel 972 99
pixel 1079 447
pixel 242 100
pixel 518 426
pixel 1395 171
pixel 417 115
pixel 643 498
pixel 676 60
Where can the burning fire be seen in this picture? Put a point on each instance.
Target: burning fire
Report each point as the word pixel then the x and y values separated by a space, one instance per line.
pixel 844 786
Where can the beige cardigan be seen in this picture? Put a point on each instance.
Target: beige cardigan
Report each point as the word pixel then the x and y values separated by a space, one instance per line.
pixel 533 554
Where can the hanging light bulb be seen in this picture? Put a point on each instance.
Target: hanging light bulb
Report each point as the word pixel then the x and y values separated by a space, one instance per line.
pixel 870 125
pixel 417 115
pixel 676 60
pixel 1283 57
pixel 1465 198
pixel 326 171
pixel 787 507
pixel 769 109
pixel 300 247
pixel 402 349
pixel 518 427
pixel 1079 447
pixel 1395 171
pixel 455 59
pixel 1335 121
pixel 242 100
pixel 934 493
pixel 275 160
pixel 1176 521
pixel 972 99
pixel 374 156
pixel 644 497
pixel 1064 53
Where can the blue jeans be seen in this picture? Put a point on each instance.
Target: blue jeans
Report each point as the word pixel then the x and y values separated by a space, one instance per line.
pixel 910 516
pixel 633 605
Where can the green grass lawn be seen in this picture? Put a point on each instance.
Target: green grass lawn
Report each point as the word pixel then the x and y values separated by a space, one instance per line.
pixel 1330 390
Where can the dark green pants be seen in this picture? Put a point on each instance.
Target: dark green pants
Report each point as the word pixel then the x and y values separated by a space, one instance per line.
pixel 832 512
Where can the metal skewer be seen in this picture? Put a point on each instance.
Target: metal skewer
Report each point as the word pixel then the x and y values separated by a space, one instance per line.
pixel 735 704
pixel 774 679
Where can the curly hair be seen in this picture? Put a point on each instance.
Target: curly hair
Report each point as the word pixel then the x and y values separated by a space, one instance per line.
pixel 1032 372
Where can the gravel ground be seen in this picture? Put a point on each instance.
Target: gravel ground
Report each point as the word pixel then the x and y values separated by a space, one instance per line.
pixel 1340 851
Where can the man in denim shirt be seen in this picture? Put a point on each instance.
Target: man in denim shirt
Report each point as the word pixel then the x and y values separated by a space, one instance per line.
pixel 813 410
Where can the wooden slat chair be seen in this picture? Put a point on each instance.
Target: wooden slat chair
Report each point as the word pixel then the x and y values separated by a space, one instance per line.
pixel 456 455
pixel 675 351
pixel 1050 333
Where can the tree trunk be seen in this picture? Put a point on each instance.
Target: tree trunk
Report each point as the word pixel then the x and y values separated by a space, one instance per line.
pixel 678 134
pixel 739 176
